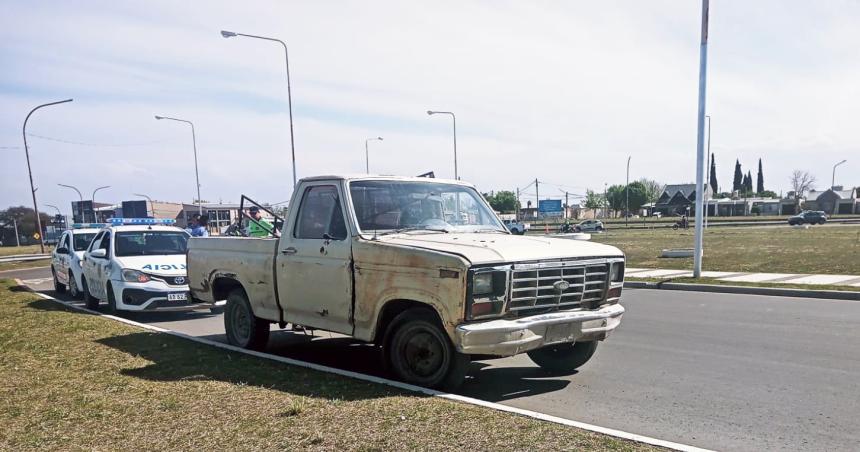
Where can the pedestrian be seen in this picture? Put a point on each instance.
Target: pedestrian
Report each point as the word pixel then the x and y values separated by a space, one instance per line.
pixel 259 226
pixel 198 226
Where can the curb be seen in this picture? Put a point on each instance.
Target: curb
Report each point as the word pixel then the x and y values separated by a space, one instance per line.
pixel 771 291
pixel 396 384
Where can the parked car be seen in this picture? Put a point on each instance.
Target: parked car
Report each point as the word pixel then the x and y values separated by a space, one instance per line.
pixel 516 226
pixel 808 217
pixel 590 226
pixel 375 259
pixel 66 258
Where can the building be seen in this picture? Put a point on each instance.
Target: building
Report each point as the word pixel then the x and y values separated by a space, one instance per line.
pixel 835 200
pixel 679 199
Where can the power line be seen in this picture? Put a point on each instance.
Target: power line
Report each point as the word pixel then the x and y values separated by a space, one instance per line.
pixel 79 143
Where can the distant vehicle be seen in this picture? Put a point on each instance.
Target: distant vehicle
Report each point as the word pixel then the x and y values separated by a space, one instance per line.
pixel 66 257
pixel 808 217
pixel 517 227
pixel 590 226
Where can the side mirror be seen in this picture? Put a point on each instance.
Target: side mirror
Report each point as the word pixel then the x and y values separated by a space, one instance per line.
pixel 99 253
pixel 62 250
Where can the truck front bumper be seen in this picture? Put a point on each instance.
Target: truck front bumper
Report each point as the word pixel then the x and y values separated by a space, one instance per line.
pixel 511 337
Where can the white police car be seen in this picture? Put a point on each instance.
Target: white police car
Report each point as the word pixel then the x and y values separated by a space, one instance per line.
pixel 66 257
pixel 138 264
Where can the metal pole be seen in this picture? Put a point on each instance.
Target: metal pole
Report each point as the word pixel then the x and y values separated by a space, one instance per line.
pixel 93 199
pixel 30 171
pixel 517 216
pixel 230 34
pixel 708 169
pixel 366 157
pixel 627 194
pixel 151 205
pixel 833 181
pixel 700 144
pixel 196 171
pixel 17 237
pixel 454 117
pixel 80 202
pixel 537 196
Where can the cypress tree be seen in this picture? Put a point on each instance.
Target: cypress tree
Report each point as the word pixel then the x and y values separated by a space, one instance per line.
pixel 713 181
pixel 738 182
pixel 760 182
pixel 748 187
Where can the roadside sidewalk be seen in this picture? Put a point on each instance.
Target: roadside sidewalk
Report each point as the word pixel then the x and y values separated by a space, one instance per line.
pixel 743 277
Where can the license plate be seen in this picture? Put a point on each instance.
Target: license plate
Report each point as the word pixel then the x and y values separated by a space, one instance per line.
pixel 178 296
pixel 561 333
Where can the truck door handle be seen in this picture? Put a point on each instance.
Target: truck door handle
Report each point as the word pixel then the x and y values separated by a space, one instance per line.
pixel 289 250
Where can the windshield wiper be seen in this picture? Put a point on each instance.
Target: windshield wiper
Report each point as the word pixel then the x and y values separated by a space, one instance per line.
pixel 415 228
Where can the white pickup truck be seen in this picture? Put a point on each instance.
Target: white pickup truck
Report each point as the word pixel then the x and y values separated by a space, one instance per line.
pixel 421 267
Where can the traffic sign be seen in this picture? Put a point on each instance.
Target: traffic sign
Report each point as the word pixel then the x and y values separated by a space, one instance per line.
pixel 37 236
pixel 550 208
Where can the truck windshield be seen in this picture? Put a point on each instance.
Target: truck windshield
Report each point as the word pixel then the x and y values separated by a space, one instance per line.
pixel 395 206
pixel 148 243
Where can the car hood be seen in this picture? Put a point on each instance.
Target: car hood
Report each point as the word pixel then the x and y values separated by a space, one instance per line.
pixel 487 248
pixel 169 265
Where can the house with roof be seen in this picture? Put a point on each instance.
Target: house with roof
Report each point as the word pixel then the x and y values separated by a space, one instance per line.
pixel 679 199
pixel 836 200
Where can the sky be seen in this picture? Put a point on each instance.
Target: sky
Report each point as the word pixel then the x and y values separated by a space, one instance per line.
pixel 559 91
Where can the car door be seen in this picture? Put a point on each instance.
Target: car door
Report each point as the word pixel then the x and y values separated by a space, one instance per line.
pixel 91 265
pixel 103 266
pixel 65 259
pixel 314 264
pixel 57 259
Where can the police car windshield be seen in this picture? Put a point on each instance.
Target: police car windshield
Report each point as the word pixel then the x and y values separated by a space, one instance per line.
pixel 148 243
pixel 82 241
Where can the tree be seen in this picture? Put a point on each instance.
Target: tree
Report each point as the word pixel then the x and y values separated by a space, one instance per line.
pixel 594 200
pixel 26 220
pixel 615 198
pixel 653 190
pixel 713 182
pixel 759 187
pixel 638 196
pixel 801 182
pixel 737 183
pixel 748 184
pixel 503 201
pixel 767 194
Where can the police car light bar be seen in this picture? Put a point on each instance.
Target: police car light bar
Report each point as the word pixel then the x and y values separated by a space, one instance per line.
pixel 88 225
pixel 143 221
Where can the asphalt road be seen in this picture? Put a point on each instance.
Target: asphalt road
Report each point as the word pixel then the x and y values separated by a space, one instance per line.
pixel 720 371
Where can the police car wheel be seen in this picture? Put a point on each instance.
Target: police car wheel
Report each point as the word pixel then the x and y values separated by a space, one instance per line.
pixel 59 288
pixel 111 300
pixel 92 302
pixel 73 287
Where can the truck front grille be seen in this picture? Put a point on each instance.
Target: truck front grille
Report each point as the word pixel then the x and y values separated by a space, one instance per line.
pixel 557 286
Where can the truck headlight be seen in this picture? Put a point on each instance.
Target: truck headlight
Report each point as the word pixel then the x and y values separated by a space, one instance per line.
pixel 134 276
pixel 616 273
pixel 487 293
pixel 482 283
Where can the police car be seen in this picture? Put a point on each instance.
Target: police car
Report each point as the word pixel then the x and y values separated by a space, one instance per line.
pixel 138 264
pixel 66 257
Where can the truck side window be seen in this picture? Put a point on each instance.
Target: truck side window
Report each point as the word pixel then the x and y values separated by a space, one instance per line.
pixel 105 245
pixel 96 242
pixel 320 213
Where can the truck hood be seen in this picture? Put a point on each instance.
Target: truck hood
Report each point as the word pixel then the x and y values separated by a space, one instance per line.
pixel 487 248
pixel 168 265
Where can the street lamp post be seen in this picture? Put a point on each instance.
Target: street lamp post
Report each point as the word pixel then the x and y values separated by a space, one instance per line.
pixel 196 172
pixel 700 143
pixel 431 113
pixel 151 205
pixel 230 34
pixel 30 171
pixel 627 194
pixel 708 171
pixel 95 215
pixel 367 152
pixel 80 201
pixel 58 212
pixel 833 181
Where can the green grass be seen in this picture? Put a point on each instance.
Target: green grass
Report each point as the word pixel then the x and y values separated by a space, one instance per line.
pixel 826 250
pixel 28 249
pixel 72 381
pixel 6 266
pixel 718 282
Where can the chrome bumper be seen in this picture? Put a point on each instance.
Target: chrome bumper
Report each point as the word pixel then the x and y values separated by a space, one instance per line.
pixel 511 337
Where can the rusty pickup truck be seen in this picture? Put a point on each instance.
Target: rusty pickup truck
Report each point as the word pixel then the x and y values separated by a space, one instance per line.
pixel 421 267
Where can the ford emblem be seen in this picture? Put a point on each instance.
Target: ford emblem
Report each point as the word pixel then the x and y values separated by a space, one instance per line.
pixel 561 286
pixel 179 280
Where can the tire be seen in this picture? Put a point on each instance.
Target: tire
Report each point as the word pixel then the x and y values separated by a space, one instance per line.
pixel 675 227
pixel 111 309
pixel 74 292
pixel 243 328
pixel 563 358
pixel 59 288
pixel 418 351
pixel 91 301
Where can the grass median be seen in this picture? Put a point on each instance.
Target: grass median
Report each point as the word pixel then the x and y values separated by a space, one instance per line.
pixel 824 250
pixel 717 282
pixel 72 381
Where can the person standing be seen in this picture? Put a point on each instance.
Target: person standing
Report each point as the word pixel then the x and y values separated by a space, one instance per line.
pixel 259 226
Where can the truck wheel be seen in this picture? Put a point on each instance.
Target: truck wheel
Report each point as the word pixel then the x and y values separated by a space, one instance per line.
pixel 243 328
pixel 59 288
pixel 419 352
pixel 73 287
pixel 563 358
pixel 91 301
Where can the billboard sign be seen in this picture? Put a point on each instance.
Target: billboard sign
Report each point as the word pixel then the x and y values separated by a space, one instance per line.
pixel 82 211
pixel 135 209
pixel 550 208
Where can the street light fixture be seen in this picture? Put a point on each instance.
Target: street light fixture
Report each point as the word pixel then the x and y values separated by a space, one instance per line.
pixel 231 34
pixel 95 215
pixel 80 203
pixel 151 205
pixel 833 181
pixel 196 172
pixel 431 113
pixel 30 171
pixel 367 153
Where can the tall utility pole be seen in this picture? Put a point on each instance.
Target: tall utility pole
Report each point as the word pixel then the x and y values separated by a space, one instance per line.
pixel 196 172
pixel 17 237
pixel 605 201
pixel 367 153
pixel 537 195
pixel 80 202
pixel 566 201
pixel 95 214
pixel 517 215
pixel 700 145
pixel 453 117
pixel 833 181
pixel 708 168
pixel 30 171
pixel 627 194
pixel 230 34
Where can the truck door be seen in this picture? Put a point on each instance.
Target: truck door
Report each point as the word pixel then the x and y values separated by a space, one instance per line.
pixel 314 264
pixel 88 266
